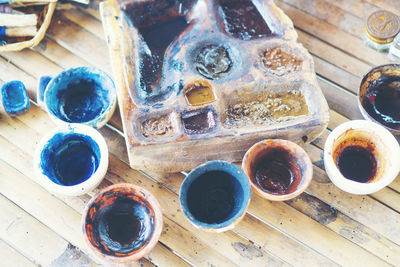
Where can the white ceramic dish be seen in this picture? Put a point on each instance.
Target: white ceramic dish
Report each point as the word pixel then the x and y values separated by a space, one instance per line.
pixel 387 154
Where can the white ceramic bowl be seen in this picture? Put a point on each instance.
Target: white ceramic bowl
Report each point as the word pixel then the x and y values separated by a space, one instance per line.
pixel 387 154
pixel 71 160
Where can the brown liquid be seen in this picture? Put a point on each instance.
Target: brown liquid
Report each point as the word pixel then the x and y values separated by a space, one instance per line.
pixel 199 121
pixel 357 163
pixel 158 127
pixel 199 93
pixel 274 173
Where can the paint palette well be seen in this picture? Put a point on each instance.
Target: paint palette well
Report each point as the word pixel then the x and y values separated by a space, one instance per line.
pixel 205 79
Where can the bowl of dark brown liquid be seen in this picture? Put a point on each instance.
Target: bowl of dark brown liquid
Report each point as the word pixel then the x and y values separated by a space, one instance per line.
pixel 361 157
pixel 122 223
pixel 379 96
pixel 278 169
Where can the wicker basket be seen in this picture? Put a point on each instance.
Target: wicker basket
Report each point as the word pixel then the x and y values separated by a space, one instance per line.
pixel 20 43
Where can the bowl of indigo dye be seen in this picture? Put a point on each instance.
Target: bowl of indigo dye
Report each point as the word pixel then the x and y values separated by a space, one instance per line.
pixel 361 157
pixel 71 160
pixel 379 96
pixel 215 196
pixel 122 223
pixel 278 169
pixel 81 95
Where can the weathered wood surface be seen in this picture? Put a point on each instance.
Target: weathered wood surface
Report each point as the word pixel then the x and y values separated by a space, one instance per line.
pixel 323 226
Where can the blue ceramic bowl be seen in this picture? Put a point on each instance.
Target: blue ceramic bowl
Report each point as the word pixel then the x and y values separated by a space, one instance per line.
pixel 215 196
pixel 81 95
pixel 71 160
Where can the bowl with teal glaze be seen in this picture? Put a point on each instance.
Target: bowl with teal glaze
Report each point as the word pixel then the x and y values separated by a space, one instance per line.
pixel 71 160
pixel 83 95
pixel 215 196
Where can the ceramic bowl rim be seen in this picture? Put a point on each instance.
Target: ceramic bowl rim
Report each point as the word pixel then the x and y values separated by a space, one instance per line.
pixel 307 177
pixel 352 186
pixel 158 223
pixel 363 111
pixel 91 182
pixel 102 118
pixel 216 165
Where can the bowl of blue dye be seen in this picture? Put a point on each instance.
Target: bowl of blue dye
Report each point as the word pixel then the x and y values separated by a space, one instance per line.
pixel 71 160
pixel 215 196
pixel 83 95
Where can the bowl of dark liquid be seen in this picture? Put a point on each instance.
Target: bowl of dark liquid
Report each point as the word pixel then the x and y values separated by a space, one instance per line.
pixel 122 223
pixel 361 157
pixel 278 169
pixel 215 196
pixel 379 96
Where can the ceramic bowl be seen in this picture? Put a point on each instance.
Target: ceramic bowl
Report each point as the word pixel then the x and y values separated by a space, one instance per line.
pixel 71 160
pixel 215 196
pixel 80 95
pixel 379 96
pixel 380 157
pixel 122 223
pixel 278 169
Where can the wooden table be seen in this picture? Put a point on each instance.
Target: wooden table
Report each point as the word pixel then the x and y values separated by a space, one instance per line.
pixel 324 226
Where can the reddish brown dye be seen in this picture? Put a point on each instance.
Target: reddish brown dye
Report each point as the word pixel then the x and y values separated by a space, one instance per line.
pixel 357 163
pixel 277 173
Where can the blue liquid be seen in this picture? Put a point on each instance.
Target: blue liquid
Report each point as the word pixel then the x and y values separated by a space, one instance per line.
pixel 14 97
pixel 70 159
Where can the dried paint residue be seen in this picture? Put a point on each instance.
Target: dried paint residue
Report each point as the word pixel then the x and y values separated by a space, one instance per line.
pixel 279 62
pixel 265 108
pixel 158 127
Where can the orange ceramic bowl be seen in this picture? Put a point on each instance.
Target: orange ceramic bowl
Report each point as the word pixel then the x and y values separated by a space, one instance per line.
pixel 122 223
pixel 278 169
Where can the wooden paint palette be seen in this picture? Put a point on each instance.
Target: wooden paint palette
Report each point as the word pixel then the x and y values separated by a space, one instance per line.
pixel 200 80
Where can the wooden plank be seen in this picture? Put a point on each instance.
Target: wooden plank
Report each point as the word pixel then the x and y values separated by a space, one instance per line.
pixel 87 22
pixel 11 257
pixel 79 42
pixel 392 5
pixel 330 34
pixel 331 14
pixel 359 8
pixel 58 54
pixel 34 239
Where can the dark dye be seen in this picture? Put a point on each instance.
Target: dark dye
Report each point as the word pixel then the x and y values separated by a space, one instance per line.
pixel 274 173
pixel 357 163
pixel 158 37
pixel 123 226
pixel 199 121
pixel 81 101
pixel 15 98
pixel 70 159
pixel 383 101
pixel 159 23
pixel 242 20
pixel 213 61
pixel 212 196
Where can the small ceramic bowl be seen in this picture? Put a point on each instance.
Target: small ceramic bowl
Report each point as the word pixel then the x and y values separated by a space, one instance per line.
pixel 215 196
pixel 278 169
pixel 71 160
pixel 379 96
pixel 122 223
pixel 80 95
pixel 15 98
pixel 361 157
